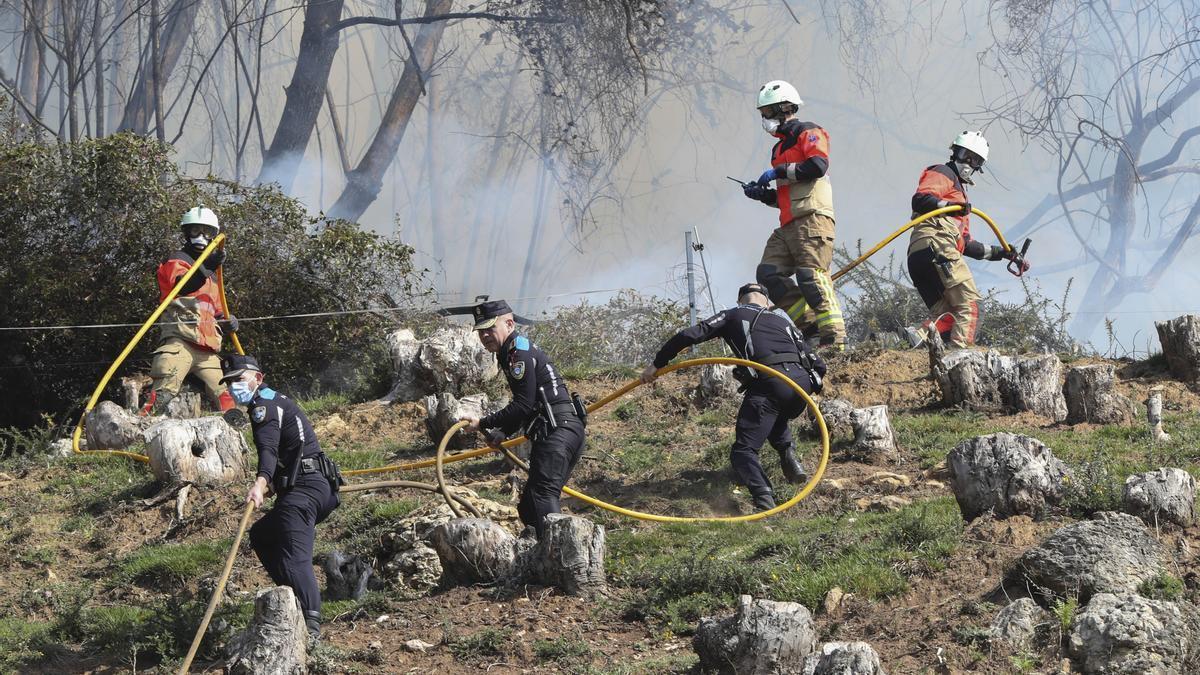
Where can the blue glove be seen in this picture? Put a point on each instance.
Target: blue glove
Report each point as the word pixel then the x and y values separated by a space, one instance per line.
pixel 768 176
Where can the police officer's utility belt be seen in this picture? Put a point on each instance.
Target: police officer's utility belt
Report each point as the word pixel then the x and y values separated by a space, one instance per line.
pixel 315 464
pixel 550 415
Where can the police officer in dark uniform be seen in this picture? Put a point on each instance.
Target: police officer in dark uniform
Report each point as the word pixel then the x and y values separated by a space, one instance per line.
pixel 292 467
pixel 769 337
pixel 541 408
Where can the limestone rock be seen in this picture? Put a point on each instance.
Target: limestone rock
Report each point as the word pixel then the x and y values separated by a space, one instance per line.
pixel 762 637
pixel 474 550
pixel 443 411
pixel 874 440
pixel 1018 624
pixel 276 640
pixel 885 504
pixel 450 360
pixel 204 451
pixel 418 569
pixel 716 385
pixel 987 381
pixel 1131 634
pixel 346 577
pixel 1180 338
pixel 844 658
pixel 111 427
pixel 1006 474
pixel 1090 397
pixel 1161 496
pixel 1112 553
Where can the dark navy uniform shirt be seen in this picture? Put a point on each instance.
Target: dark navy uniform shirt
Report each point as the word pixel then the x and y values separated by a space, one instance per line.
pixel 526 367
pixel 753 332
pixel 282 432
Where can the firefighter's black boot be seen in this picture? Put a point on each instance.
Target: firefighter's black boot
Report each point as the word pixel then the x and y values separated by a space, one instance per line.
pixel 792 470
pixel 763 501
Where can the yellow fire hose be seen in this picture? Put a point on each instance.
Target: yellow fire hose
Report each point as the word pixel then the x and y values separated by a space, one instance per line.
pixel 917 221
pixel 691 363
pixel 162 306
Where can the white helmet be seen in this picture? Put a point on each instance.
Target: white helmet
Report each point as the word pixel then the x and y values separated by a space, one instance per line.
pixel 973 141
pixel 200 215
pixel 778 91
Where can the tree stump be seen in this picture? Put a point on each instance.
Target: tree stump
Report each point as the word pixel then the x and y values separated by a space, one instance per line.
pixel 111 427
pixel 763 636
pixel 474 550
pixel 1180 338
pixel 570 556
pixel 845 658
pixel 443 411
pixel 206 451
pixel 874 439
pixel 1090 396
pixel 989 382
pixel 1154 408
pixel 275 642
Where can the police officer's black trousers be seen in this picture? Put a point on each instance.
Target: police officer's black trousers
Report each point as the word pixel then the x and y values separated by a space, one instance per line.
pixel 550 464
pixel 283 539
pixel 767 408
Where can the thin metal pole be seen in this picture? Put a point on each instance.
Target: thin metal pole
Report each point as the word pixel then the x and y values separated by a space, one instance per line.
pixel 691 279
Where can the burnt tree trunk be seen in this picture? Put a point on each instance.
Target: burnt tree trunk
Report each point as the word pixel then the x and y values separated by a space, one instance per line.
pixel 310 80
pixel 364 182
pixel 143 102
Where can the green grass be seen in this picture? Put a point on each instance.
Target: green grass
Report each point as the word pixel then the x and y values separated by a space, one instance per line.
pixel 324 405
pixel 22 642
pixel 1162 587
pixel 685 571
pixel 362 521
pixel 572 649
pixel 365 458
pixel 163 562
pixel 489 642
pixel 679 662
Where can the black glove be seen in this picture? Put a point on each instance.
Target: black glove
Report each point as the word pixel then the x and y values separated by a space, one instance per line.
pixel 1013 254
pixel 214 259
pixel 966 210
pixel 760 192
pixel 996 253
pixel 229 325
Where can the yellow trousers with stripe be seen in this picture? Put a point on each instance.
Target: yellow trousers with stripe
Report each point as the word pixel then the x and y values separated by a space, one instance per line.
pixel 803 249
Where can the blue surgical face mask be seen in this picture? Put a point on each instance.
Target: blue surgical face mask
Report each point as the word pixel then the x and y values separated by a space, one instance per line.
pixel 242 392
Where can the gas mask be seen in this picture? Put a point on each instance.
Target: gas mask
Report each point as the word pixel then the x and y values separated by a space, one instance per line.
pixel 243 392
pixel 965 171
pixel 198 237
pixel 770 125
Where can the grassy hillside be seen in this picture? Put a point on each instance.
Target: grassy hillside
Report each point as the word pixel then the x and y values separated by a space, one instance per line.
pixel 102 577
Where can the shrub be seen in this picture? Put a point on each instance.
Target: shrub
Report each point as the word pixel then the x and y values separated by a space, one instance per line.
pixel 83 226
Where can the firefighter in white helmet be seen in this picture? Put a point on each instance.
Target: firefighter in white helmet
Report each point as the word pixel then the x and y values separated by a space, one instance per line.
pixel 936 247
pixel 193 324
pixel 802 246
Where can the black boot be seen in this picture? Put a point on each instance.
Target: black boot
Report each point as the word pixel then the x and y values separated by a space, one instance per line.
pixel 792 470
pixel 312 619
pixel 763 501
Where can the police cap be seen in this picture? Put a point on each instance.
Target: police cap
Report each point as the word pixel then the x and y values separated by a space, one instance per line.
pixel 751 288
pixel 486 313
pixel 236 364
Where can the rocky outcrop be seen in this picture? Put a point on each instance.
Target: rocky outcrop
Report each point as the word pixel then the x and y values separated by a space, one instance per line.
pixel 204 451
pixel 844 658
pixel 716 385
pixel 1090 396
pixel 276 640
pixel 443 411
pixel 762 637
pixel 450 360
pixel 1019 623
pixel 1006 474
pixel 1131 634
pixel 1180 339
pixel 1161 496
pixel 1112 553
pixel 990 382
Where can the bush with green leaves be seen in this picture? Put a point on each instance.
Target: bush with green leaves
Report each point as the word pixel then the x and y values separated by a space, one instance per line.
pixel 84 225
